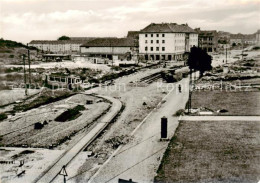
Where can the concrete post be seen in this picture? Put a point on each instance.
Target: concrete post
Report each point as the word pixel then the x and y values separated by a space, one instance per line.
pixel 164 122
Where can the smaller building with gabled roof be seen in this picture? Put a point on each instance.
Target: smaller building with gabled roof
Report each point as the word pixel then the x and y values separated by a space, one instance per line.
pixel 111 48
pixel 59 46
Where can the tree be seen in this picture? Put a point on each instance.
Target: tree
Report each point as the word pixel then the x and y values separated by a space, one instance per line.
pixel 64 38
pixel 199 60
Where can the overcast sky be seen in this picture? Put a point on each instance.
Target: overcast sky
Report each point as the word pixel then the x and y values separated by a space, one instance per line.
pixel 26 20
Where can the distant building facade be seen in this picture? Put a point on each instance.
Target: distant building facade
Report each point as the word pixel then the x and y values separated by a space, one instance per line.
pixel 236 39
pixel 250 39
pixel 135 36
pixel 111 48
pixel 166 41
pixel 60 46
pixel 208 40
pixel 61 80
pixel 242 39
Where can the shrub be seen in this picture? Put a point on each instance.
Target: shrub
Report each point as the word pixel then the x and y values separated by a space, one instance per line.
pixel 3 116
pixel 70 114
pixel 179 112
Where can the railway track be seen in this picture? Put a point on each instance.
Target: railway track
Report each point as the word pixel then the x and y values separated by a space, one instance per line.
pixel 51 172
pixel 151 78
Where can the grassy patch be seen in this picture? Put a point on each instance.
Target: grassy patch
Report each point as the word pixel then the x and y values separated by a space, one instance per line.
pixel 220 151
pixel 41 100
pixel 70 114
pixel 236 103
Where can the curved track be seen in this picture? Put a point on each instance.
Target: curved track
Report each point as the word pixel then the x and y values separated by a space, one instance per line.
pixel 51 172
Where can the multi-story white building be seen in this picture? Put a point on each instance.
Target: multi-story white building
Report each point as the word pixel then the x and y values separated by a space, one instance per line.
pixel 60 46
pixel 166 41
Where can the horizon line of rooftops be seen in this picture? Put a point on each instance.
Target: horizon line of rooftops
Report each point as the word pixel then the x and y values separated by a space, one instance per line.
pixel 153 27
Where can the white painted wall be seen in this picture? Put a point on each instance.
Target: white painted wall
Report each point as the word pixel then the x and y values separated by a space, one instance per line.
pixel 194 40
pixel 174 43
pixel 58 47
pixel 105 50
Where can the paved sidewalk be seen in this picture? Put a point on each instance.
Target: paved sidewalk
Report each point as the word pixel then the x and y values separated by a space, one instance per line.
pixel 219 118
pixel 139 159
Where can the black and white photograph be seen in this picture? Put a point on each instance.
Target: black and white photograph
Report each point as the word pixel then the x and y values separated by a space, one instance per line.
pixel 129 91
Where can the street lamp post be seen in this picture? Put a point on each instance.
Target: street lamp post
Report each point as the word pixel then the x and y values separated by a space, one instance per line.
pixel 24 72
pixel 190 92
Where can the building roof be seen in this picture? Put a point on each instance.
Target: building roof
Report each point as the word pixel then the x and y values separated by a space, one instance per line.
pixel 110 42
pixel 82 38
pixel 167 28
pixel 73 40
pixel 58 41
pixel 206 32
pixel 133 34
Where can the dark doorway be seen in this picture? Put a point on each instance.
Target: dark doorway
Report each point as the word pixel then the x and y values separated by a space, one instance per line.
pixel 109 57
pixel 163 57
pixel 157 57
pixel 169 57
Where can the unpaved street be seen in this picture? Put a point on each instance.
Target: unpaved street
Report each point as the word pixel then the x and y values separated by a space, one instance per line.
pixel 140 158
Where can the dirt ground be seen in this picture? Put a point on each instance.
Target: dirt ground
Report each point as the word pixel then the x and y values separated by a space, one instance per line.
pixel 10 96
pixel 220 151
pixel 8 172
pixel 19 129
pixel 67 64
pixel 139 99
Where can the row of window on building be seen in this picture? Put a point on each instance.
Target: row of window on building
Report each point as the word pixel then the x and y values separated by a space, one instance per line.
pixel 163 35
pixel 157 35
pixel 157 41
pixel 176 41
pixel 157 48
pixel 179 47
pixel 207 39
pixel 180 41
pixel 163 48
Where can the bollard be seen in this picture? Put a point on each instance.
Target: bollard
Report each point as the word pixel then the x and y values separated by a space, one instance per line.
pixel 164 121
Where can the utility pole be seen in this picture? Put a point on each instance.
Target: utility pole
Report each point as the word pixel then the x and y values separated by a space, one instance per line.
pixel 190 90
pixel 242 51
pixel 29 62
pixel 24 74
pixel 112 53
pixel 226 54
